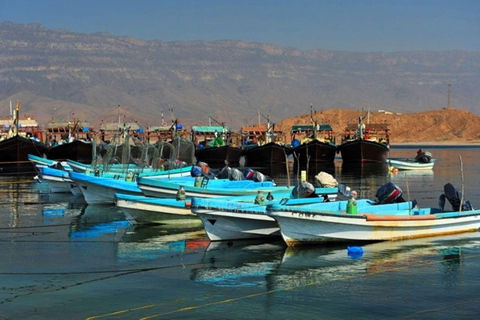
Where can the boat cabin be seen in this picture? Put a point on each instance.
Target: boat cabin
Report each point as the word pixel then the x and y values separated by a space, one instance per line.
pixel 260 135
pixel 28 127
pixel 59 132
pixel 301 134
pixel 377 132
pixel 210 136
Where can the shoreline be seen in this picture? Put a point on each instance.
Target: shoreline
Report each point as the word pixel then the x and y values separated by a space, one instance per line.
pixel 436 144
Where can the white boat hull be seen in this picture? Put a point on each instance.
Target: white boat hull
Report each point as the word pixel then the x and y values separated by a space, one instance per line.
pixel 145 213
pixel 222 225
pixel 96 194
pixel 410 165
pixel 300 228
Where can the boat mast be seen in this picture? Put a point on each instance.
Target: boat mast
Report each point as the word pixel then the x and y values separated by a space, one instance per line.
pixel 16 119
pixel 314 123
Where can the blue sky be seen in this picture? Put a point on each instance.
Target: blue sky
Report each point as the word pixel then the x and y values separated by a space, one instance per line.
pixel 355 25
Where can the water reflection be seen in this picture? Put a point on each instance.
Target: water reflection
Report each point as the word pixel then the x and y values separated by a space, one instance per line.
pixel 247 263
pixel 307 265
pixel 141 243
pixel 238 263
pixel 99 222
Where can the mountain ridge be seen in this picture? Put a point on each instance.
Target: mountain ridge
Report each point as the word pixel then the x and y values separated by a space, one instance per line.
pixel 58 72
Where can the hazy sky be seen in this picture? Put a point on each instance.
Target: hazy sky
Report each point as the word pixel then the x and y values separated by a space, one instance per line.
pixel 355 25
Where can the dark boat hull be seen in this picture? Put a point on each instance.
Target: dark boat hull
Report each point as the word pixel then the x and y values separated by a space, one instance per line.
pixel 363 151
pixel 215 157
pixel 315 152
pixel 265 155
pixel 14 155
pixel 77 150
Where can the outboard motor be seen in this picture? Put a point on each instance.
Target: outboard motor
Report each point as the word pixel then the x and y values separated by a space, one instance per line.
pixel 224 173
pixel 235 175
pixel 303 190
pixel 423 156
pixel 389 193
pixel 248 173
pixel 454 196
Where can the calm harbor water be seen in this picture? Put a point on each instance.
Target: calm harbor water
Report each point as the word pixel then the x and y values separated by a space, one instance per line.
pixel 63 259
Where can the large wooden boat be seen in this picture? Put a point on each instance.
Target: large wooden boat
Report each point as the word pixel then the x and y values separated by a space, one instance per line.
pixel 214 146
pixel 263 146
pixel 69 140
pixel 313 144
pixel 362 143
pixel 18 139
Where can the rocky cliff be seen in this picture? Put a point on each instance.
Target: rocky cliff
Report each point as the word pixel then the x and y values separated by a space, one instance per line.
pixel 437 126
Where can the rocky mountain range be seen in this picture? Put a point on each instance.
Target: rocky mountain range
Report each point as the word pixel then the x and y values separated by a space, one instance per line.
pixel 56 73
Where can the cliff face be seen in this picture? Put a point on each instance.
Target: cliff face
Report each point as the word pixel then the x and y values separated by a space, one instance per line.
pixel 444 125
pixel 57 72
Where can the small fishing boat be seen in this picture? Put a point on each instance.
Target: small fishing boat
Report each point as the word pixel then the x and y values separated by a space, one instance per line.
pixel 41 162
pixel 329 222
pixel 209 188
pixel 149 210
pixel 102 190
pixel 423 161
pixel 409 164
pixel 58 181
pixel 234 219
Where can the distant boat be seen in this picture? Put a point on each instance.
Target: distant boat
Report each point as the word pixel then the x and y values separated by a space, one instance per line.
pixel 423 161
pixel 69 140
pixel 409 164
pixel 365 143
pixel 18 139
pixel 214 146
pixel 316 147
pixel 263 146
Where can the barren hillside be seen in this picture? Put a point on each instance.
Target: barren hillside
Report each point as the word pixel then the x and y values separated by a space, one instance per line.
pixel 444 125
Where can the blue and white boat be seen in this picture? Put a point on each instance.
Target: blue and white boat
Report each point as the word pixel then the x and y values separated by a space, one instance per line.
pixel 148 210
pixel 228 219
pixel 214 188
pixel 320 223
pixel 116 169
pixel 102 190
pixel 40 162
pixel 58 181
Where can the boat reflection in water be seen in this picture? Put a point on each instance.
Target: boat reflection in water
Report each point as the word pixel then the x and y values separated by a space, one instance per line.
pixel 146 242
pixel 60 206
pixel 238 263
pixel 99 223
pixel 247 263
pixel 306 266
